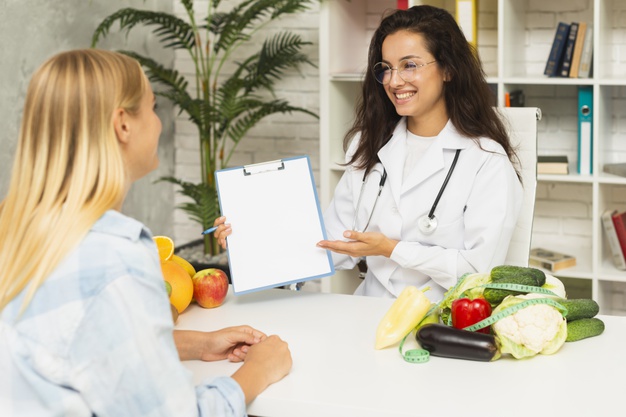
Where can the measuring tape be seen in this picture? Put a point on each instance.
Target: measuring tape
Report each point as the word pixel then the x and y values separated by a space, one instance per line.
pixel 422 355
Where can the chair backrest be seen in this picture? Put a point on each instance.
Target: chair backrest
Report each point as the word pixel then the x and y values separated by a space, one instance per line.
pixel 522 123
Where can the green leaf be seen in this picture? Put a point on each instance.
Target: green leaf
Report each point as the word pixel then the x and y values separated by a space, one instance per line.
pixel 236 25
pixel 278 53
pixel 260 111
pixel 205 206
pixel 158 73
pixel 171 31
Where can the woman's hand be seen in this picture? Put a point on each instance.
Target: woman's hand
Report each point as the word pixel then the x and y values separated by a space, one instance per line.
pixel 361 244
pixel 223 230
pixel 230 343
pixel 267 362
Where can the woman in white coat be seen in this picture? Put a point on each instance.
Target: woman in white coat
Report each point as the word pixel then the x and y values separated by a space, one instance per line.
pixel 425 115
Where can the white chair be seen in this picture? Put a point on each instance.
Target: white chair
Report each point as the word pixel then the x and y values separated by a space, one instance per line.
pixel 522 123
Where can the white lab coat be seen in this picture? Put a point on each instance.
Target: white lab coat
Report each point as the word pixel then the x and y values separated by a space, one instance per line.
pixel 476 214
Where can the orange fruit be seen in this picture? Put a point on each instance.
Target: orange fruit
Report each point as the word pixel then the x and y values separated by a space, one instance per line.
pixel 165 245
pixel 185 264
pixel 182 285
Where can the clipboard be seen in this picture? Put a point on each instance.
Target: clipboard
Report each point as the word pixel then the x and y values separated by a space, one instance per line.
pixel 277 221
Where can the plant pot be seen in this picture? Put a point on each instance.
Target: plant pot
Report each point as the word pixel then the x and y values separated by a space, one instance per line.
pixel 193 252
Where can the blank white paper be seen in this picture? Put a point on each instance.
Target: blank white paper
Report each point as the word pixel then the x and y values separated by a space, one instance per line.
pixel 276 222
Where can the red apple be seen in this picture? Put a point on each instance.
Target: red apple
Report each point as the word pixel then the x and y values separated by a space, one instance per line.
pixel 210 287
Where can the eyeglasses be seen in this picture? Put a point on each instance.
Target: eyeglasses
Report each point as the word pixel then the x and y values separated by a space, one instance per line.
pixel 407 70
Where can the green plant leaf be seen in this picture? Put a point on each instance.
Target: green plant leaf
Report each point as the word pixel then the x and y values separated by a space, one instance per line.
pixel 158 73
pixel 279 53
pixel 258 111
pixel 205 206
pixel 172 31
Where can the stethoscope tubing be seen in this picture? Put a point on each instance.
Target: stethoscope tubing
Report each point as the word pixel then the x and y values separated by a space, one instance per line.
pixel 381 184
pixel 431 214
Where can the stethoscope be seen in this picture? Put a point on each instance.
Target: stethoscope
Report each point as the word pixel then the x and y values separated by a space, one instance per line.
pixel 427 223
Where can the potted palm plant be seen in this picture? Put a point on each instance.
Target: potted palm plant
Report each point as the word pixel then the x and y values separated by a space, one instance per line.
pixel 223 105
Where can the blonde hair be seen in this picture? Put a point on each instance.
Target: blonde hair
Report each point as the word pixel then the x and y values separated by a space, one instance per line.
pixel 68 168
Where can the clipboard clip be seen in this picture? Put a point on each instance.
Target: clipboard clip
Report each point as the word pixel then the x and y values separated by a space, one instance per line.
pixel 263 167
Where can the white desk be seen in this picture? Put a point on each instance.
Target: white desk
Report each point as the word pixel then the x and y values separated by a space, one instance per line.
pixel 337 372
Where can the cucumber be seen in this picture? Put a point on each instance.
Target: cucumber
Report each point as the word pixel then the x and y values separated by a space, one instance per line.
pixel 504 273
pixel 448 342
pixel 496 295
pixel 433 317
pixel 510 274
pixel 584 328
pixel 580 308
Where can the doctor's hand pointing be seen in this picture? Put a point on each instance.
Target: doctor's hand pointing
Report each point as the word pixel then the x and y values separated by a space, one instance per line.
pixel 361 244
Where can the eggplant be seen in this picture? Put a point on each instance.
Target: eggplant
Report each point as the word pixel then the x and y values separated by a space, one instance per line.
pixel 449 342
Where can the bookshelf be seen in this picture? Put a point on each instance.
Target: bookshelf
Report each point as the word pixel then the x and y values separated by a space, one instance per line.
pixel 514 41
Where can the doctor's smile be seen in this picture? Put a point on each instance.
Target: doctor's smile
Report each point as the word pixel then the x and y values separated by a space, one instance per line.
pixel 404 96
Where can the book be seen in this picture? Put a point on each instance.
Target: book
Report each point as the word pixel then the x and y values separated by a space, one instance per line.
pixel 403 4
pixel 552 164
pixel 568 53
pixel 556 52
pixel 514 98
pixel 517 98
pixel 550 260
pixel 619 222
pixel 585 130
pixel 616 169
pixel 611 236
pixel 578 50
pixel 586 58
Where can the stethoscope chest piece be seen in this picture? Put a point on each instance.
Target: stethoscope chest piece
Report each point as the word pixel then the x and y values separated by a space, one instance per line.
pixel 427 225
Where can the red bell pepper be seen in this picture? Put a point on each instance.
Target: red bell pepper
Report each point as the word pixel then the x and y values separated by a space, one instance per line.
pixel 466 312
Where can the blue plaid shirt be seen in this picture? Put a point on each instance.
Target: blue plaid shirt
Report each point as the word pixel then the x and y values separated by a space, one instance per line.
pixel 97 338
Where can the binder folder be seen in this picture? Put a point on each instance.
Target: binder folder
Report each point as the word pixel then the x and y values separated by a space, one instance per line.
pixel 467 18
pixel 276 220
pixel 585 130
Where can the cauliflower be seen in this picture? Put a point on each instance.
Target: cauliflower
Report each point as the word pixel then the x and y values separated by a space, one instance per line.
pixel 538 328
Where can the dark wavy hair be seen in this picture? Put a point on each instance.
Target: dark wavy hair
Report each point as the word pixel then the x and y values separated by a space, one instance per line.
pixel 467 95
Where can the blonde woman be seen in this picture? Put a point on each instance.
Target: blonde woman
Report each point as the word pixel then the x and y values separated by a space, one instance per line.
pixel 85 326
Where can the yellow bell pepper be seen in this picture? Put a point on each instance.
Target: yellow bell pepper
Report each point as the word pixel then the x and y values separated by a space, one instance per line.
pixel 404 314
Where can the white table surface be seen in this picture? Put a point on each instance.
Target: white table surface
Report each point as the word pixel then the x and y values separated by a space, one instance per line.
pixel 337 372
